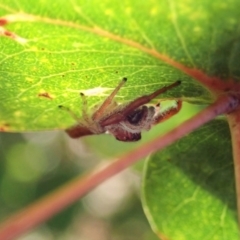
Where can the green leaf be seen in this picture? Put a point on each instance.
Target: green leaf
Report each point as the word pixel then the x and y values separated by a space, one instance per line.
pixel 89 46
pixel 189 190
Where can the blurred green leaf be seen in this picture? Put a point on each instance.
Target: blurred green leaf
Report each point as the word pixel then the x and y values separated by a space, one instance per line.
pixel 189 190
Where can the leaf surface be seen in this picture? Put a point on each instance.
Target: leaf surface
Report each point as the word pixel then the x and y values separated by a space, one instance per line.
pixel 62 49
pixel 189 190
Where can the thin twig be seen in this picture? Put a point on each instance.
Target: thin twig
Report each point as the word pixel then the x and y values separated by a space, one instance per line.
pixel 45 208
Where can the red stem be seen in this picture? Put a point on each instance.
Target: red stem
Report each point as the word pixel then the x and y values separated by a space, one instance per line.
pixel 234 125
pixel 45 208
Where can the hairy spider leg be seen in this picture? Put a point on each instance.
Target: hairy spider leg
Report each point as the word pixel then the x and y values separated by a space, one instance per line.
pixel 119 116
pixel 69 111
pixel 98 113
pixel 84 107
pixel 169 112
pixel 80 129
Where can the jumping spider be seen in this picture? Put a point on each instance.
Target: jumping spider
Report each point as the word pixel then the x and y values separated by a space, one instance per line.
pixel 125 121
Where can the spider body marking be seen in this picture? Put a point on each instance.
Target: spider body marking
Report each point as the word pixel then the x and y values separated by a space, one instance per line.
pixel 124 122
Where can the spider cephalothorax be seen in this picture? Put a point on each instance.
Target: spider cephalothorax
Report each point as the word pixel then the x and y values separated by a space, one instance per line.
pixel 125 122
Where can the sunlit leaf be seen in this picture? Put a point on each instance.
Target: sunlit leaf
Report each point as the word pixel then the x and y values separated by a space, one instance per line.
pixel 61 49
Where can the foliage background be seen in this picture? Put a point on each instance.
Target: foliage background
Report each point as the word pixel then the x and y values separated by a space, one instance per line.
pixel 33 165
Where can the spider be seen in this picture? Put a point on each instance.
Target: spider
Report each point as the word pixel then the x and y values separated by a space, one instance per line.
pixel 125 121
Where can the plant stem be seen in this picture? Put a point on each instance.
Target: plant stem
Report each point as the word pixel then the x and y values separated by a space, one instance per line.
pixel 45 208
pixel 234 125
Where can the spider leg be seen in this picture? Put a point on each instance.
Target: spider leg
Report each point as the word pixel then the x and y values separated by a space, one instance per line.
pixel 119 116
pixel 98 113
pixel 157 107
pixel 84 107
pixel 78 130
pixel 68 110
pixel 160 117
